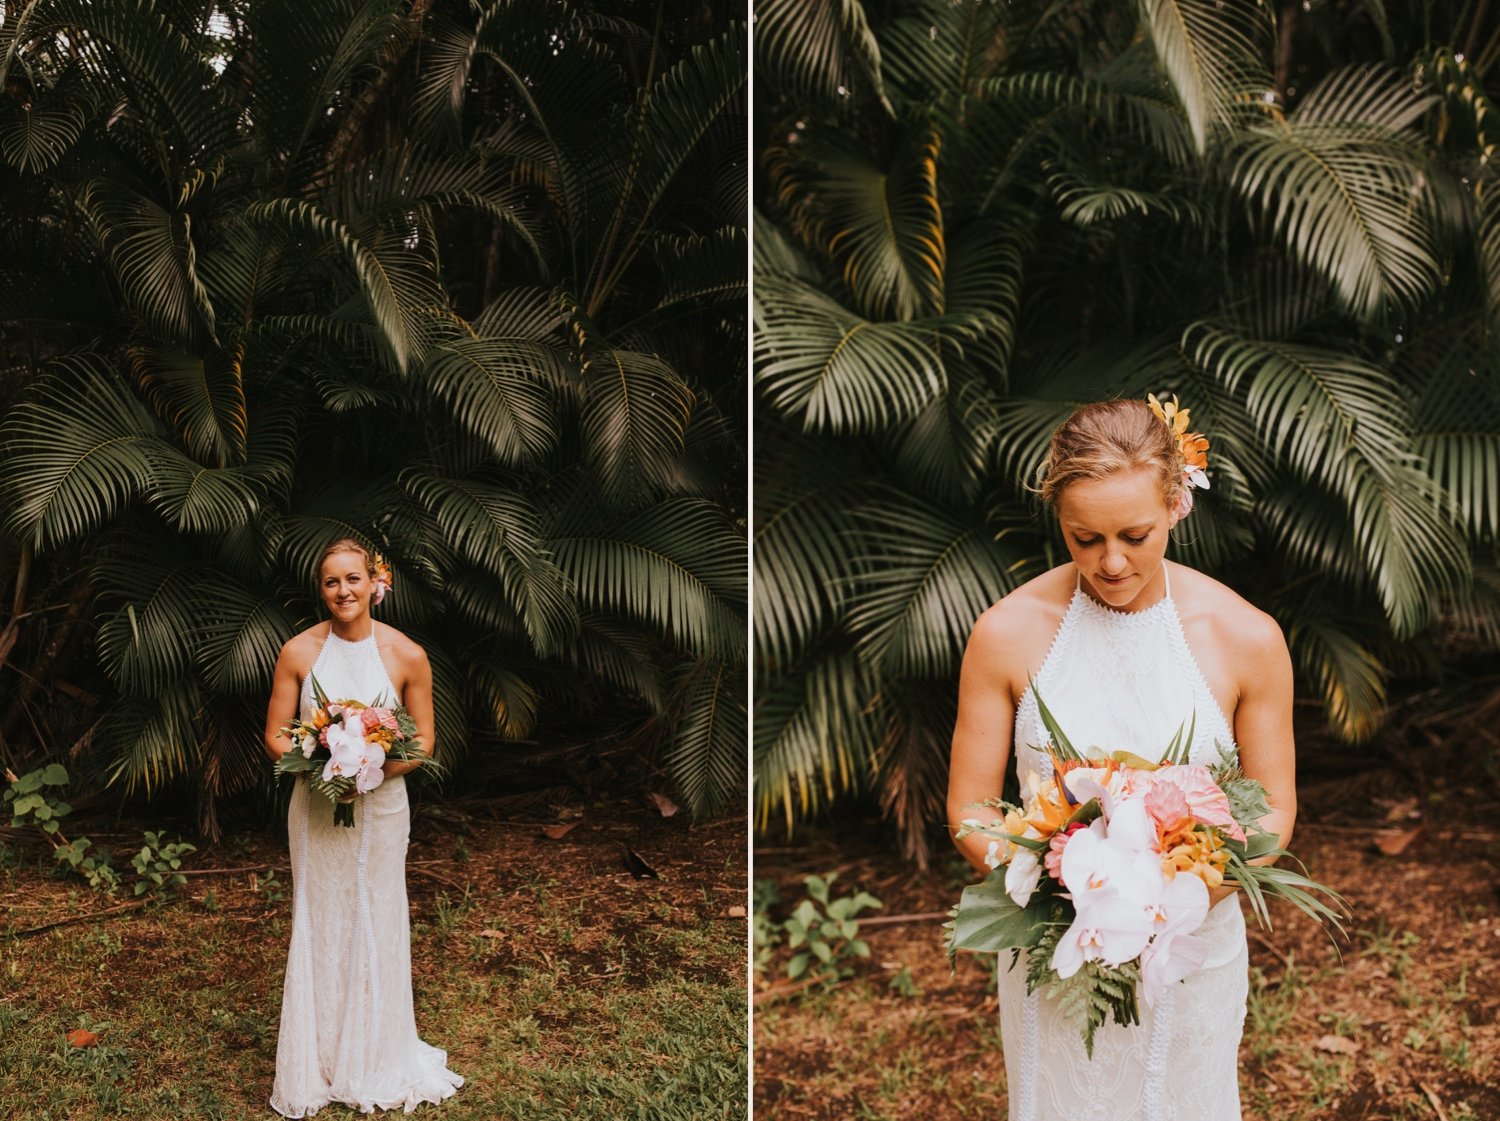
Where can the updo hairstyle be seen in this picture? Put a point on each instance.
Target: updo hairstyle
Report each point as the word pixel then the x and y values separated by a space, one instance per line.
pixel 1109 436
pixel 344 545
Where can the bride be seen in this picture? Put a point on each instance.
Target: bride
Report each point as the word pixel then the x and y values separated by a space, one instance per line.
pixel 348 1033
pixel 1125 647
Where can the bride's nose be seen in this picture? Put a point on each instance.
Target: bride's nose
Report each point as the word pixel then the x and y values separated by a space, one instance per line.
pixel 1113 563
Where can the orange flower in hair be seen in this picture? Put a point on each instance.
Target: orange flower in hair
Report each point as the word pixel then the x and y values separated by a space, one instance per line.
pixel 1192 448
pixel 383 580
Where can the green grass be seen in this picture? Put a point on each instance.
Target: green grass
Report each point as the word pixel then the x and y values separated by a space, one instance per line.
pixel 550 1004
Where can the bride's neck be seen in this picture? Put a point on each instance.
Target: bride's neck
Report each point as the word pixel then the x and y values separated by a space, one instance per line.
pixel 356 630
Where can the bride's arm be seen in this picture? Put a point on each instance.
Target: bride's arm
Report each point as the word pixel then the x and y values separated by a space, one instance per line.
pixel 416 695
pixel 1263 725
pixel 982 733
pixel 285 685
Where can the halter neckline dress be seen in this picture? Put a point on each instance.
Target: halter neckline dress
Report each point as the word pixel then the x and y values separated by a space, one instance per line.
pixel 1121 679
pixel 348 1032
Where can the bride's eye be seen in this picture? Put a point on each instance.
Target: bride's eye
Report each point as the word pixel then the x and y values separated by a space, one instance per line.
pixel 1136 540
pixel 1082 544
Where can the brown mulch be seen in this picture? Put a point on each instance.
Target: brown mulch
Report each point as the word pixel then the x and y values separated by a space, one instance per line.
pixel 1400 1021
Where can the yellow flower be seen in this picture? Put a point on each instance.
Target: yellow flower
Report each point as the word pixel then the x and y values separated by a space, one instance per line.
pixel 1199 851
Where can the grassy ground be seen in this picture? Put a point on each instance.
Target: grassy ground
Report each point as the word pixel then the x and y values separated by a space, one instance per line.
pixel 560 985
pixel 1399 1023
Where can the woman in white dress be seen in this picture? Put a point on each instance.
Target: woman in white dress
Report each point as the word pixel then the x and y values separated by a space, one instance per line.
pixel 1125 647
pixel 348 1033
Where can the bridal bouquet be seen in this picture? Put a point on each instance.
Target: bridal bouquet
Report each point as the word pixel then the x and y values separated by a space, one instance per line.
pixel 343 747
pixel 1103 875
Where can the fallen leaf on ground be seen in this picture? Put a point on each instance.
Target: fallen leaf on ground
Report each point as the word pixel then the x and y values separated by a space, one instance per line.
pixel 736 912
pixel 664 804
pixel 1393 842
pixel 1405 810
pixel 491 934
pixel 1337 1045
pixel 558 832
pixel 82 1037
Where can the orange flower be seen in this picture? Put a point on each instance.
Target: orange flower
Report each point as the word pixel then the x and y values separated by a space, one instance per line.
pixel 320 719
pixel 1199 851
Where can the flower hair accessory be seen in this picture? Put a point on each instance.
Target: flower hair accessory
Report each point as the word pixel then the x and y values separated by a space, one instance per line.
pixel 383 581
pixel 1192 449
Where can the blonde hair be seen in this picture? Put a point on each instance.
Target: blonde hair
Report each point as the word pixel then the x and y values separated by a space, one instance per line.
pixel 1109 436
pixel 344 545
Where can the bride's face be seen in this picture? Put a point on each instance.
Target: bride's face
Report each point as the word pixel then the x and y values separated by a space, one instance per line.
pixel 345 584
pixel 1116 531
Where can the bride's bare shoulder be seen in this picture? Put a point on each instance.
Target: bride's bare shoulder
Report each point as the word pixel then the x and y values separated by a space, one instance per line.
pixel 1235 623
pixel 1028 615
pixel 302 648
pixel 406 650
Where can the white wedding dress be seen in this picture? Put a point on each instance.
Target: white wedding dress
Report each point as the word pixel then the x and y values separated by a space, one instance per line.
pixel 1128 680
pixel 348 1033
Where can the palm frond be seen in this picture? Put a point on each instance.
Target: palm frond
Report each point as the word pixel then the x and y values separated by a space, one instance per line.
pixel 499 389
pixel 679 568
pixel 1346 190
pixel 634 416
pixel 821 49
pixel 926 577
pixel 1345 671
pixel 77 454
pixel 202 398
pixel 499 530
pixel 832 369
pixel 880 220
pixel 35 136
pixel 706 755
pixel 812 739
pixel 1211 51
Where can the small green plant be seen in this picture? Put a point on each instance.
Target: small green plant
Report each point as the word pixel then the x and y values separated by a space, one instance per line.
pixel 33 800
pixel 157 866
pixel 765 930
pixel 825 933
pixel 902 984
pixel 97 867
pixel 268 887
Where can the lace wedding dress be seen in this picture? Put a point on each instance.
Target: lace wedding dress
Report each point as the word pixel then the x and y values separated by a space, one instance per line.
pixel 348 1033
pixel 1128 680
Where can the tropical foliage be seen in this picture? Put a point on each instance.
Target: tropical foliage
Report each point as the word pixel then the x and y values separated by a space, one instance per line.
pixel 974 216
pixel 464 280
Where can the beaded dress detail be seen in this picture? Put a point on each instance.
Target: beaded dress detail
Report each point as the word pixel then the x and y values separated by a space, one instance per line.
pixel 348 1032
pixel 1128 680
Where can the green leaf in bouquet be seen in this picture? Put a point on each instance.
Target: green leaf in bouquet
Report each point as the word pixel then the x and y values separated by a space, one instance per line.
pixel 1060 742
pixel 318 694
pixel 1085 813
pixel 1179 750
pixel 1262 881
pixel 987 920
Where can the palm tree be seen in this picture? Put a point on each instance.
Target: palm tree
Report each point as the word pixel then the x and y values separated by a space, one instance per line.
pixel 973 217
pixel 462 280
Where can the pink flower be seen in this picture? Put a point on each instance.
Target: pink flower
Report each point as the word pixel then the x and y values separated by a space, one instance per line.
pixel 1167 804
pixel 1059 841
pixel 1207 802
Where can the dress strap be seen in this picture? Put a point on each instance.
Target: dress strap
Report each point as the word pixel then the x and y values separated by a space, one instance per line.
pixel 1166 579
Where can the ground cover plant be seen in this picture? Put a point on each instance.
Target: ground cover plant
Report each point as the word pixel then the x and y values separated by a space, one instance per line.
pixel 1399 1023
pixel 561 984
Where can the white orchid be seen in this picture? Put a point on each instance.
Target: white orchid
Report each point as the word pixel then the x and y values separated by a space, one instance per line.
pixel 1174 952
pixel 1022 875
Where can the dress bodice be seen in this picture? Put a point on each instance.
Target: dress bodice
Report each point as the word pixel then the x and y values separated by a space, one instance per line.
pixel 349 671
pixel 1120 679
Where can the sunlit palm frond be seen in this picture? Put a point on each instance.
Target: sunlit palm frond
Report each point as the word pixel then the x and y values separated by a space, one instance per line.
pixel 1341 663
pixel 812 739
pixel 1346 189
pixel 678 568
pixel 926 577
pixel 200 396
pixel 706 754
pixel 499 389
pixel 880 219
pixel 635 413
pixel 832 369
pixel 511 700
pixel 822 49
pixel 496 528
pixel 377 286
pixel 199 499
pixel 36 136
pixel 149 742
pixel 1212 52
pixel 151 252
pixel 76 454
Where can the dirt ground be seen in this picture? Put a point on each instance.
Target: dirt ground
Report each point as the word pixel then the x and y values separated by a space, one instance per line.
pixel 1400 1021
